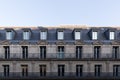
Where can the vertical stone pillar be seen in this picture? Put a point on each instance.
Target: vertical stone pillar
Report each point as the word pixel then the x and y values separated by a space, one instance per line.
pixel 33 68
pixel 107 67
pixel 70 68
pixel 14 72
pixel 51 69
pixel 88 68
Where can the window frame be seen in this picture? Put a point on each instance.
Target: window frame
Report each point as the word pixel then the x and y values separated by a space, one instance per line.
pixel 60 36
pixel 115 71
pixel 94 35
pixel 9 35
pixel 6 70
pixel 42 69
pixel 112 35
pixel 6 52
pixel 79 70
pixel 98 70
pixel 24 70
pixel 61 70
pixel 79 35
pixel 26 35
pixel 43 36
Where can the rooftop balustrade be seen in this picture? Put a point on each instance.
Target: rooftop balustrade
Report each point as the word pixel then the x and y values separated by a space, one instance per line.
pixel 60 56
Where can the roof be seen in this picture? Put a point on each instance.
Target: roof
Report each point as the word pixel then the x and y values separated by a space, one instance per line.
pixel 68 33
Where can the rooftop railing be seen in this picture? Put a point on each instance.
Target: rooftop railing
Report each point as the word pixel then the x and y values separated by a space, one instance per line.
pixel 68 75
pixel 59 56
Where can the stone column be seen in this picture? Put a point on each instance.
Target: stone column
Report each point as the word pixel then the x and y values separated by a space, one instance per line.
pixel 14 69
pixel 70 68
pixel 88 68
pixel 51 68
pixel 33 68
pixel 107 67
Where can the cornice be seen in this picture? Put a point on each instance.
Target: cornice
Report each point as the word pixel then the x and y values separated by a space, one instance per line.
pixel 97 42
pixel 79 42
pixel 115 43
pixel 60 42
pixel 5 42
pixel 24 42
pixel 41 42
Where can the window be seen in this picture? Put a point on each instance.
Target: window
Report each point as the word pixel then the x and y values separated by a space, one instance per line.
pixel 61 70
pixel 60 51
pixel 60 35
pixel 97 52
pixel 43 35
pixel 6 70
pixel 78 52
pixel 26 35
pixel 24 52
pixel 116 70
pixel 6 52
pixel 9 35
pixel 42 70
pixel 79 70
pixel 98 69
pixel 115 53
pixel 24 70
pixel 112 35
pixel 42 52
pixel 94 35
pixel 77 35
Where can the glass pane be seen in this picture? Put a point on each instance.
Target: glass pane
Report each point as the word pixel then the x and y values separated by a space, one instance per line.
pixel 43 35
pixel 9 35
pixel 26 35
pixel 60 35
pixel 112 35
pixel 77 35
pixel 94 35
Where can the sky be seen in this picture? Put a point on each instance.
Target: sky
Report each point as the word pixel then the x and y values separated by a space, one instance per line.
pixel 59 12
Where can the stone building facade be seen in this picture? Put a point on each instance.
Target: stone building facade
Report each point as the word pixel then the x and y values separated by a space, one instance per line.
pixel 60 53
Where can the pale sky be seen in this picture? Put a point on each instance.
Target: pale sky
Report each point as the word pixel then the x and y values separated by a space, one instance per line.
pixel 59 12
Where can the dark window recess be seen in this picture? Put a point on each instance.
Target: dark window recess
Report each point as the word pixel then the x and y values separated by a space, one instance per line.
pixel 24 52
pixel 6 70
pixel 97 52
pixel 98 69
pixel 42 70
pixel 115 52
pixel 79 70
pixel 78 52
pixel 116 70
pixel 7 52
pixel 42 52
pixel 24 70
pixel 60 51
pixel 61 70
